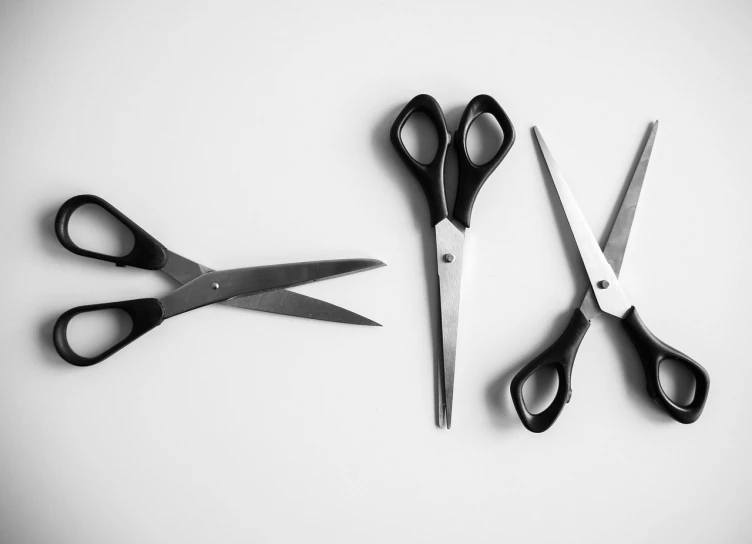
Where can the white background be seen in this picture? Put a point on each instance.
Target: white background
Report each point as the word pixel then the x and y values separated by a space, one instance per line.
pixel 255 133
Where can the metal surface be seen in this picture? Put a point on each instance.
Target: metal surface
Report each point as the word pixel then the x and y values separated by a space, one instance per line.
pixel 449 241
pixel 183 270
pixel 619 236
pixel 611 300
pixel 244 281
pixel 616 245
pixel 285 302
pixel 279 301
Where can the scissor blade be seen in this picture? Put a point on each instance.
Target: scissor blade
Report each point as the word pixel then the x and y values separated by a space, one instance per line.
pixel 619 236
pixel 294 304
pixel 226 284
pixel 449 243
pixel 616 245
pixel 611 299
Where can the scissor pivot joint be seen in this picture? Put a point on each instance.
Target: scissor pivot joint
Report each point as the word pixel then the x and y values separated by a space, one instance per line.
pixel 604 284
pixel 449 258
pixel 215 286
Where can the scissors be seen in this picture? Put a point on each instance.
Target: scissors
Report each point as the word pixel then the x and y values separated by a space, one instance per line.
pixel 255 288
pixel 605 295
pixel 450 235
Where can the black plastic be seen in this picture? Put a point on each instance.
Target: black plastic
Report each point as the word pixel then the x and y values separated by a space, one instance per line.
pixel 431 175
pixel 472 176
pixel 147 252
pixel 560 355
pixel 652 352
pixel 145 313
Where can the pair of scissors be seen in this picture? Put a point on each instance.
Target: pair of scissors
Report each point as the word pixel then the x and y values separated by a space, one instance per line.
pixel 258 288
pixel 605 295
pixel 450 235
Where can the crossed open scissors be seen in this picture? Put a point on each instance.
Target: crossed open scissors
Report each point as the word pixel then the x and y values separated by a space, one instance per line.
pixel 605 295
pixel 254 288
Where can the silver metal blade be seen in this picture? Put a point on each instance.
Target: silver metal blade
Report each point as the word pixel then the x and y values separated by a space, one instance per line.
pixel 449 246
pixel 285 302
pixel 279 301
pixel 619 236
pixel 226 284
pixel 611 299
pixel 616 245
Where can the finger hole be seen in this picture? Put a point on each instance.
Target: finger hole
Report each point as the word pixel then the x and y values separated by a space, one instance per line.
pixel 92 333
pixel 420 138
pixel 484 139
pixel 539 390
pixel 95 229
pixel 677 381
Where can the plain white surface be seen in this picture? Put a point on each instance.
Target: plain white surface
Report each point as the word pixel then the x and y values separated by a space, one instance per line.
pixel 255 133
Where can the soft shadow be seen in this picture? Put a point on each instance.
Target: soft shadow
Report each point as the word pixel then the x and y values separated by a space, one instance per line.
pixel 47 238
pixel 47 351
pixel 498 396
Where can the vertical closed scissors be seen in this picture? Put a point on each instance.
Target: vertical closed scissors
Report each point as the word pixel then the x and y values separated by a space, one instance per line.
pixel 604 295
pixel 450 236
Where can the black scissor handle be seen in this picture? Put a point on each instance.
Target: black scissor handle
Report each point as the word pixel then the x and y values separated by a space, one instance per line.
pixel 431 175
pixel 145 313
pixel 147 252
pixel 559 355
pixel 472 176
pixel 652 353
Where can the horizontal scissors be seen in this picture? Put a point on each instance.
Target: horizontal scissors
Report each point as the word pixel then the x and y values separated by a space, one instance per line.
pixel 450 236
pixel 605 295
pixel 258 288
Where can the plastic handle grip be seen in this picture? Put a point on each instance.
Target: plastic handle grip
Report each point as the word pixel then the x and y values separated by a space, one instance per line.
pixel 560 355
pixel 431 175
pixel 472 176
pixel 147 252
pixel 652 352
pixel 145 313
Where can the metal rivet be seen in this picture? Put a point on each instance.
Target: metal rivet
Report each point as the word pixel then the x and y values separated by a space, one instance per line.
pixel 603 284
pixel 449 257
pixel 215 286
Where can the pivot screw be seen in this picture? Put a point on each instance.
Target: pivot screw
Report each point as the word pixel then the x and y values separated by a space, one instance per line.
pixel 215 286
pixel 449 258
pixel 603 284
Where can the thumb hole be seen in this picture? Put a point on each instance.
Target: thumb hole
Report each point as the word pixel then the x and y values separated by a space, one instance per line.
pixel 677 381
pixel 91 333
pixel 539 390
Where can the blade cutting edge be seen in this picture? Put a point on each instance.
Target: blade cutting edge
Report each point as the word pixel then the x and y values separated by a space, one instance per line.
pixel 616 245
pixel 226 284
pixel 449 247
pixel 602 278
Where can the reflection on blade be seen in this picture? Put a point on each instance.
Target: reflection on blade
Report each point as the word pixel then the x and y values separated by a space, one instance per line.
pixel 449 244
pixel 616 245
pixel 611 299
pixel 286 302
pixel 226 284
pixel 619 236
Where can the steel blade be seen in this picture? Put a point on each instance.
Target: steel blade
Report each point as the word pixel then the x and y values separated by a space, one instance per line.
pixel 449 246
pixel 616 245
pixel 280 301
pixel 285 302
pixel 225 284
pixel 183 270
pixel 602 278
